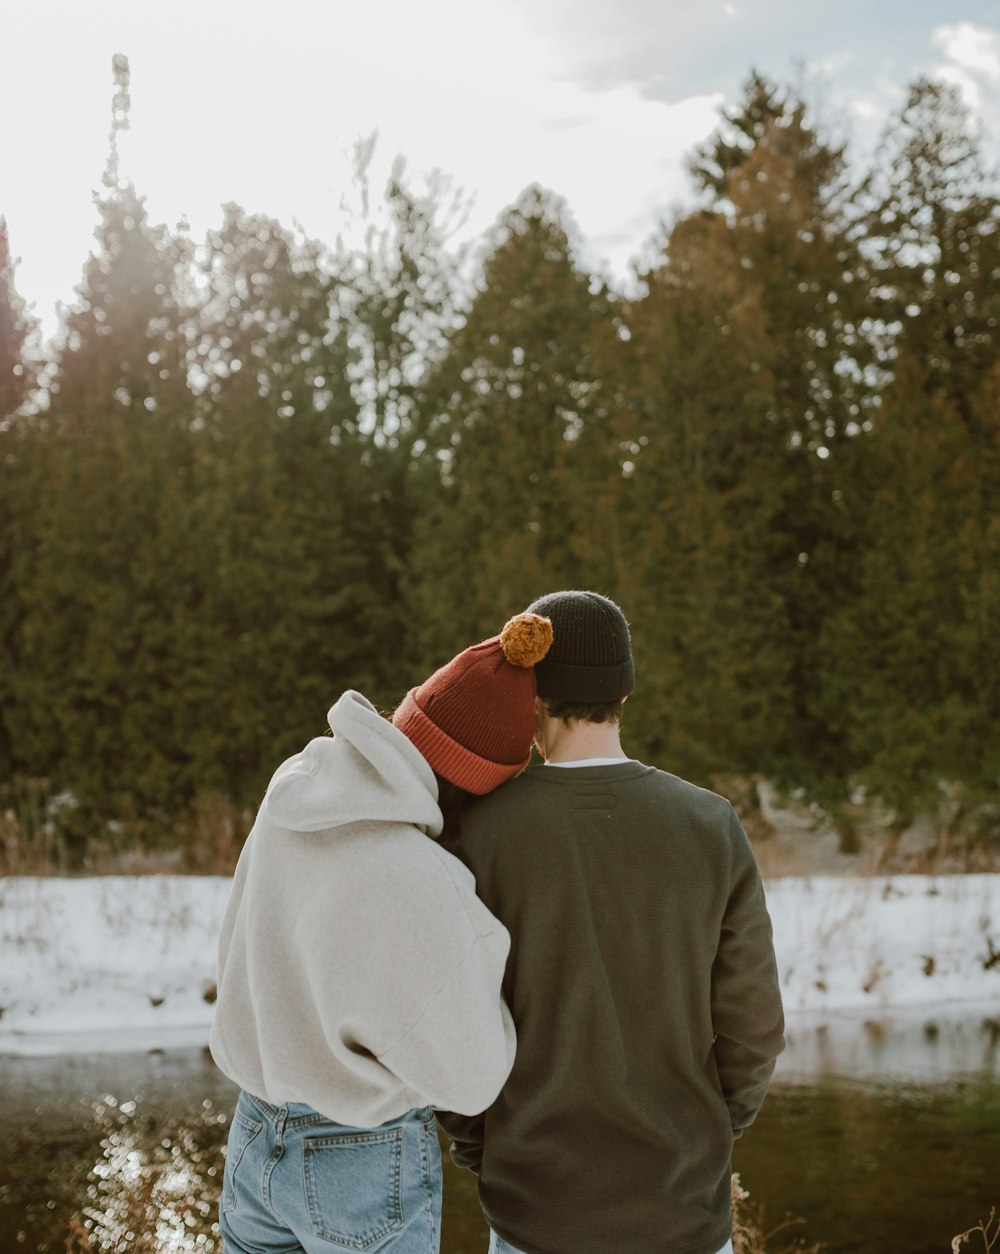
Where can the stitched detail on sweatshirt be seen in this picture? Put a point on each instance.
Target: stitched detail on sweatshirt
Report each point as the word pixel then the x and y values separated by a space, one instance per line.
pixel 594 801
pixel 437 993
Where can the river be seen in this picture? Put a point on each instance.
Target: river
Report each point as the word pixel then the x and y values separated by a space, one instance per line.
pixel 882 1135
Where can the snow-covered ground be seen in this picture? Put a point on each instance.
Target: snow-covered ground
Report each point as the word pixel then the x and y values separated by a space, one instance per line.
pixel 113 962
pixel 886 968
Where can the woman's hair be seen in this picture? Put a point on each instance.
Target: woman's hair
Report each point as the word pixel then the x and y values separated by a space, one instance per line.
pixel 452 800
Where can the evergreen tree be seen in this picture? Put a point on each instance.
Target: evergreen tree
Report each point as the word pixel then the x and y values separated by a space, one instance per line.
pixel 912 676
pixel 753 368
pixel 400 296
pixel 743 127
pixel 285 612
pixel 103 575
pixel 18 366
pixel 932 241
pixel 523 431
pixel 399 293
pixel 710 635
pixel 315 362
pixel 18 372
pixel 306 469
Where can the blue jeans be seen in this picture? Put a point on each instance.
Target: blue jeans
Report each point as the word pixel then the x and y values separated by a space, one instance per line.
pixel 499 1246
pixel 297 1181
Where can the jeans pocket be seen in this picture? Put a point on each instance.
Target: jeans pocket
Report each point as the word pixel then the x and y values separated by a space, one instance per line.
pixel 353 1184
pixel 241 1133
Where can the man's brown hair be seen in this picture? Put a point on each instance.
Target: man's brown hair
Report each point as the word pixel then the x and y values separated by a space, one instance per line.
pixel 579 712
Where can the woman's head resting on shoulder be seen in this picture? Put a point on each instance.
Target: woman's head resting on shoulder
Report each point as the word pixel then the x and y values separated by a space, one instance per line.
pixel 474 718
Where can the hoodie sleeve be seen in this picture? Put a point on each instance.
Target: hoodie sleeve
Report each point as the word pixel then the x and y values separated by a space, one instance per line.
pixel 746 999
pixel 460 1051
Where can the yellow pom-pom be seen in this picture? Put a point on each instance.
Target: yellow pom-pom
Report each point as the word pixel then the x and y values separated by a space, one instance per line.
pixel 525 639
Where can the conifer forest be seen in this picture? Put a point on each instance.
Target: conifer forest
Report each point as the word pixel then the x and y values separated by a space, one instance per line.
pixel 254 470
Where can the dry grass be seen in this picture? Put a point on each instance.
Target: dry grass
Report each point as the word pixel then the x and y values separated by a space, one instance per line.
pixel 749 1234
pixel 210 835
pixel 793 836
pixel 42 835
pixel 989 1232
pixel 37 837
pixel 30 842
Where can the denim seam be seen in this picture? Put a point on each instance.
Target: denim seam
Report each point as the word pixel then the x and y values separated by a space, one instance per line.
pixel 265 1108
pixel 426 1132
pixel 252 1128
pixel 272 1113
pixel 272 1162
pixel 425 1162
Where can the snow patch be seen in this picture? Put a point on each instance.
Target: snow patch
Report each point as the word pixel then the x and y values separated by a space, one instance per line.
pixel 120 962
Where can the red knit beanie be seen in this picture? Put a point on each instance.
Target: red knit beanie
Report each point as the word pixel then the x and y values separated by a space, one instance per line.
pixel 474 719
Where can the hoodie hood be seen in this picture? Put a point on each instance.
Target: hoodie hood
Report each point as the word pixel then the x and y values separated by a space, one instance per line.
pixel 367 771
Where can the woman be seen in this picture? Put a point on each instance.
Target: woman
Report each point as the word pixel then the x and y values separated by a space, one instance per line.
pixel 359 975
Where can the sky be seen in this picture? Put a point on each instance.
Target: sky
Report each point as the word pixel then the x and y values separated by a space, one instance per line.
pixel 600 101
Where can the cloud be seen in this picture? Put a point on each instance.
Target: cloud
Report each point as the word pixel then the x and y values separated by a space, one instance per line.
pixel 264 108
pixel 645 44
pixel 969 47
pixel 599 102
pixel 830 66
pixel 972 64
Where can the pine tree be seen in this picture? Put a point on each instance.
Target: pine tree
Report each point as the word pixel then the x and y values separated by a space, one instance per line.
pixel 104 573
pixel 399 292
pixel 753 372
pixel 743 127
pixel 912 676
pixel 400 296
pixel 284 613
pixel 18 372
pixel 18 365
pixel 710 634
pixel 315 361
pixel 918 685
pixel 523 430
pixel 932 240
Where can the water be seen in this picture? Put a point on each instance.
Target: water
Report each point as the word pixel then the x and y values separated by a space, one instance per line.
pixel 884 1137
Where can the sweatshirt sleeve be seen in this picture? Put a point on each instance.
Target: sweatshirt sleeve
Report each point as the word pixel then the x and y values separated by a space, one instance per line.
pixel 460 1051
pixel 747 1013
pixel 466 1133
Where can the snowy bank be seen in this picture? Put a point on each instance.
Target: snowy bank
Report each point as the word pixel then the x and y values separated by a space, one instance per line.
pixel 113 963
pixel 886 941
pixel 119 962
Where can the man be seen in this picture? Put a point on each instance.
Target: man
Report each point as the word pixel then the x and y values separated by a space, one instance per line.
pixel 641 977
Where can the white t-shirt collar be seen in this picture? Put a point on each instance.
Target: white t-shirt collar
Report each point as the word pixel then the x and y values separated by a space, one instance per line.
pixel 592 762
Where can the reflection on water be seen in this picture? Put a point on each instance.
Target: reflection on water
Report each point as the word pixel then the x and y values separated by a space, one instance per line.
pixel 154 1188
pixel 112 1152
pixel 877 1169
pixel 907 1046
pixel 124 1152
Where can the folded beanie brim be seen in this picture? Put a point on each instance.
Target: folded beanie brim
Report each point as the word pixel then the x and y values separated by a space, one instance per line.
pixel 462 766
pixel 569 681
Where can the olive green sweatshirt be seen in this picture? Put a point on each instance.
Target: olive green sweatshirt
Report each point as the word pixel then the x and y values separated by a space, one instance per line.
pixel 643 986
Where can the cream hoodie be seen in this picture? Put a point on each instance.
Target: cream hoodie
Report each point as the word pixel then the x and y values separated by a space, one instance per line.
pixel 358 971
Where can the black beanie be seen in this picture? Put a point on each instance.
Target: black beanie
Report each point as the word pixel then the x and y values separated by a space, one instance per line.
pixel 590 661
